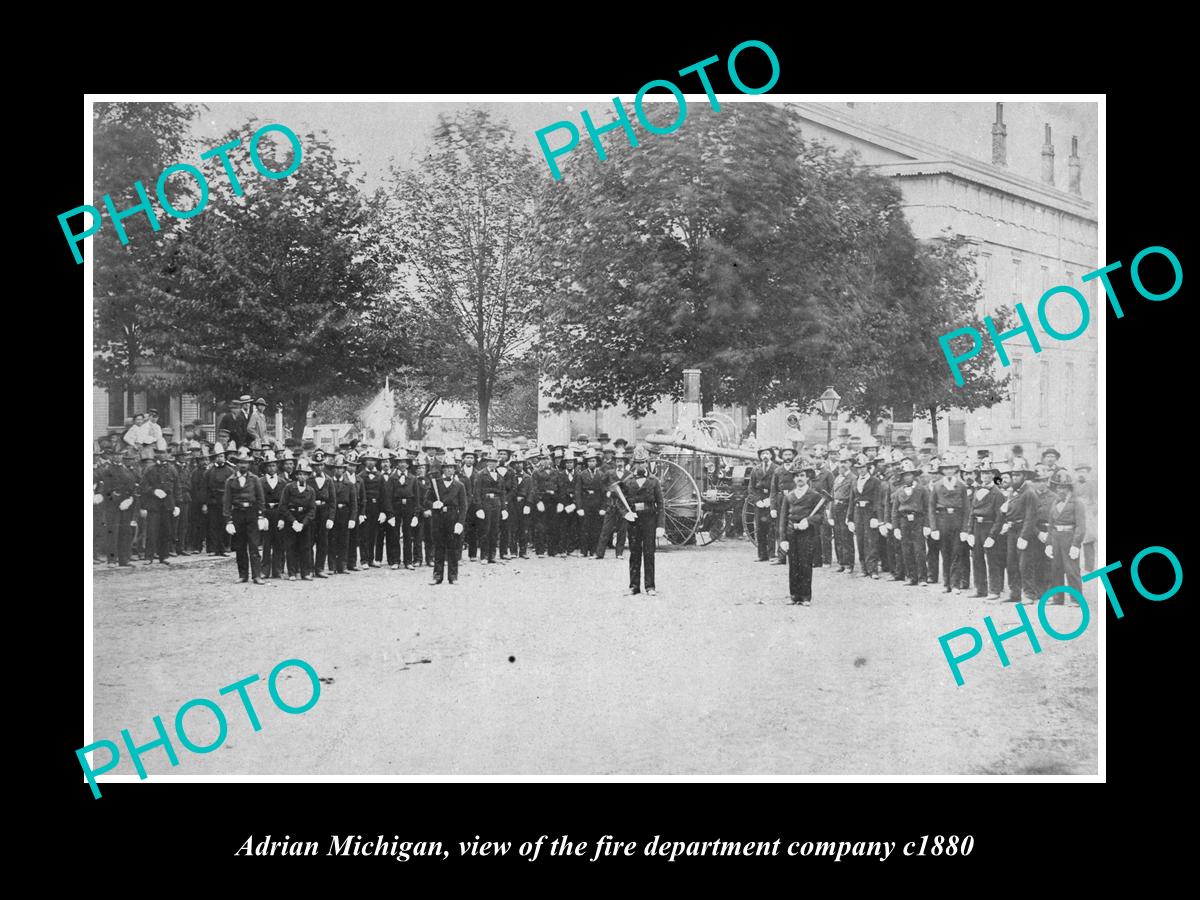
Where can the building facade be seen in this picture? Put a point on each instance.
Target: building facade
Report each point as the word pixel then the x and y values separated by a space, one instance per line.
pixel 1030 227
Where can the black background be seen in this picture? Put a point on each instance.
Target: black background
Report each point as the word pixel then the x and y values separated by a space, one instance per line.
pixel 1018 827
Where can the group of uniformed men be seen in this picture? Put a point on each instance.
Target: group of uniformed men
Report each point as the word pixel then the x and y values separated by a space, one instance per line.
pixel 301 513
pixel 993 524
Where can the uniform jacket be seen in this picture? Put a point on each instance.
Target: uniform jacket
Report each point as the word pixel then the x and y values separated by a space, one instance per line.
pixel 760 482
pixel 453 497
pixel 486 482
pixel 985 510
pixel 120 483
pixel 345 492
pixel 906 503
pixel 402 495
pixel 869 498
pixel 568 482
pixel 545 482
pixel 163 478
pixel 237 496
pixel 793 509
pixel 183 485
pixel 467 477
pixel 590 492
pixel 783 479
pixel 944 498
pixel 649 494
pixel 323 494
pixel 370 487
pixel 273 496
pixel 299 503
pixel 843 486
pixel 214 483
pixel 1071 512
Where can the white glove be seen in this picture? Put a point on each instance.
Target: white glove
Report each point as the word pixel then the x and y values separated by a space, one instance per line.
pixel 570 507
pixel 1073 552
pixel 128 502
pixel 160 493
pixel 458 527
pixel 503 515
pixel 263 523
pixel 480 514
pixel 896 533
pixel 971 541
pixel 382 518
pixel 874 522
pixel 97 499
pixel 328 524
pixel 540 506
pixel 1022 543
pixel 1004 528
pixel 229 529
pixel 989 543
pixel 630 517
pixel 579 512
pixel 883 530
pixel 761 503
pixel 1004 507
pixel 935 535
pixel 427 513
pixel 142 513
pixel 361 519
pixel 525 510
pixel 175 511
pixel 413 523
pixel 1049 552
pixel 349 524
pixel 783 547
pixel 1043 536
pixel 279 527
pixel 774 514
pixel 927 531
pixel 437 504
pixel 203 507
pixel 392 521
pixel 297 526
pixel 850 525
pixel 962 535
pixel 802 525
pixel 660 532
pixel 558 507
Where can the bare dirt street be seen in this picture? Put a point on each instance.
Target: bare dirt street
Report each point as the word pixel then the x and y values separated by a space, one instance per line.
pixel 541 666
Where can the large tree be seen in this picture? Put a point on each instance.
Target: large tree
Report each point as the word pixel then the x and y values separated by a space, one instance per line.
pixel 464 231
pixel 134 142
pixel 733 245
pixel 281 289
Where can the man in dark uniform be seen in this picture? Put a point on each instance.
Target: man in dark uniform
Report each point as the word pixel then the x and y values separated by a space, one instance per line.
pixel 983 536
pixel 446 508
pixel 273 540
pixel 520 508
pixel 120 495
pixel 509 521
pixel 799 511
pixel 183 499
pixel 299 507
pixel 866 504
pixel 214 494
pixel 370 510
pixel 545 497
pixel 1045 500
pixel 910 506
pixel 761 477
pixel 242 507
pixel 1085 490
pixel 1068 527
pixel 345 515
pixel 948 514
pixel 322 486
pixel 783 478
pixel 822 483
pixel 568 486
pixel 400 499
pixel 158 499
pixel 1021 511
pixel 590 499
pixel 614 510
pixel 490 500
pixel 843 537
pixel 647 521
pixel 471 527
pixel 198 527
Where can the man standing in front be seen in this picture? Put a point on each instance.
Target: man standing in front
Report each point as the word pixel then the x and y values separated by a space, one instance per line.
pixel 159 488
pixel 490 499
pixel 843 538
pixel 370 510
pixel 242 508
pixel 345 516
pixel 299 510
pixel 983 534
pixel 274 541
pixel 783 479
pixel 446 508
pixel 1020 507
pixel 1068 527
pixel 214 495
pixel 761 478
pixel 910 506
pixel 866 504
pixel 799 509
pixel 948 515
pixel 323 495
pixel 647 521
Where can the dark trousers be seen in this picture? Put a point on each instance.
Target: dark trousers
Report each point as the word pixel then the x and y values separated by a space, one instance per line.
pixel 885 549
pixel 589 538
pixel 198 530
pixel 568 531
pixel 842 538
pixel 1063 569
pixel 245 542
pixel 912 542
pixel 763 526
pixel 824 541
pixel 949 525
pixel 447 546
pixel 118 532
pixel 614 522
pixel 274 547
pixel 299 550
pixel 1089 556
pixel 1041 570
pixel 426 526
pixel 642 547
pixel 339 540
pixel 1021 574
pixel 368 530
pixel 988 564
pixel 800 561
pixel 180 525
pixel 321 539
pixel 867 539
pixel 216 528
pixel 489 527
pixel 472 532
pixel 933 556
pixel 407 535
pixel 545 528
pixel 385 540
pixel 158 532
pixel 520 525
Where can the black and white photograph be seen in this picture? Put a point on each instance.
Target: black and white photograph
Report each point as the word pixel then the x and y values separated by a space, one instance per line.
pixel 698 435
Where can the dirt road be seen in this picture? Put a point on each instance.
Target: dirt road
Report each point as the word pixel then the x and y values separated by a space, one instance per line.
pixel 541 666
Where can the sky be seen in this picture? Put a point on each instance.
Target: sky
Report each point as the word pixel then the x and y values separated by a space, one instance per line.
pixel 379 134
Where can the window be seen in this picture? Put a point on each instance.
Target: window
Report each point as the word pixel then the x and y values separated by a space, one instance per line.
pixel 116 408
pixel 1016 280
pixel 1044 391
pixel 1069 411
pixel 985 278
pixel 1092 394
pixel 958 432
pixel 1016 387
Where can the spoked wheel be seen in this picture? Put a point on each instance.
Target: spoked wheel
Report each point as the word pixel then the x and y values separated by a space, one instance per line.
pixel 748 518
pixel 681 500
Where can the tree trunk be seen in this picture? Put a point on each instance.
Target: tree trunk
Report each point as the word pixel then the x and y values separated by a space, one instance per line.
pixel 297 414
pixel 485 402
pixel 933 411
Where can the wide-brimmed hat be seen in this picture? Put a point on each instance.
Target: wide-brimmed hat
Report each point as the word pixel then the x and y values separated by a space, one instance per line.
pixel 641 454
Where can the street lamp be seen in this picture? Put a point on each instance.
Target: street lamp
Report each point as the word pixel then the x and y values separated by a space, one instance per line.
pixel 829 406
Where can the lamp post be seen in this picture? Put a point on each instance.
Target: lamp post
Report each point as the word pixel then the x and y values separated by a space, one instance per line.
pixel 829 406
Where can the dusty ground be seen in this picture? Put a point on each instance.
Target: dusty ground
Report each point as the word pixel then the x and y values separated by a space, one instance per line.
pixel 718 674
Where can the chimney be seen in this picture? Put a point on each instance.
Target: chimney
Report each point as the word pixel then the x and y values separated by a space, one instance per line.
pixel 999 138
pixel 690 409
pixel 1073 167
pixel 1048 159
